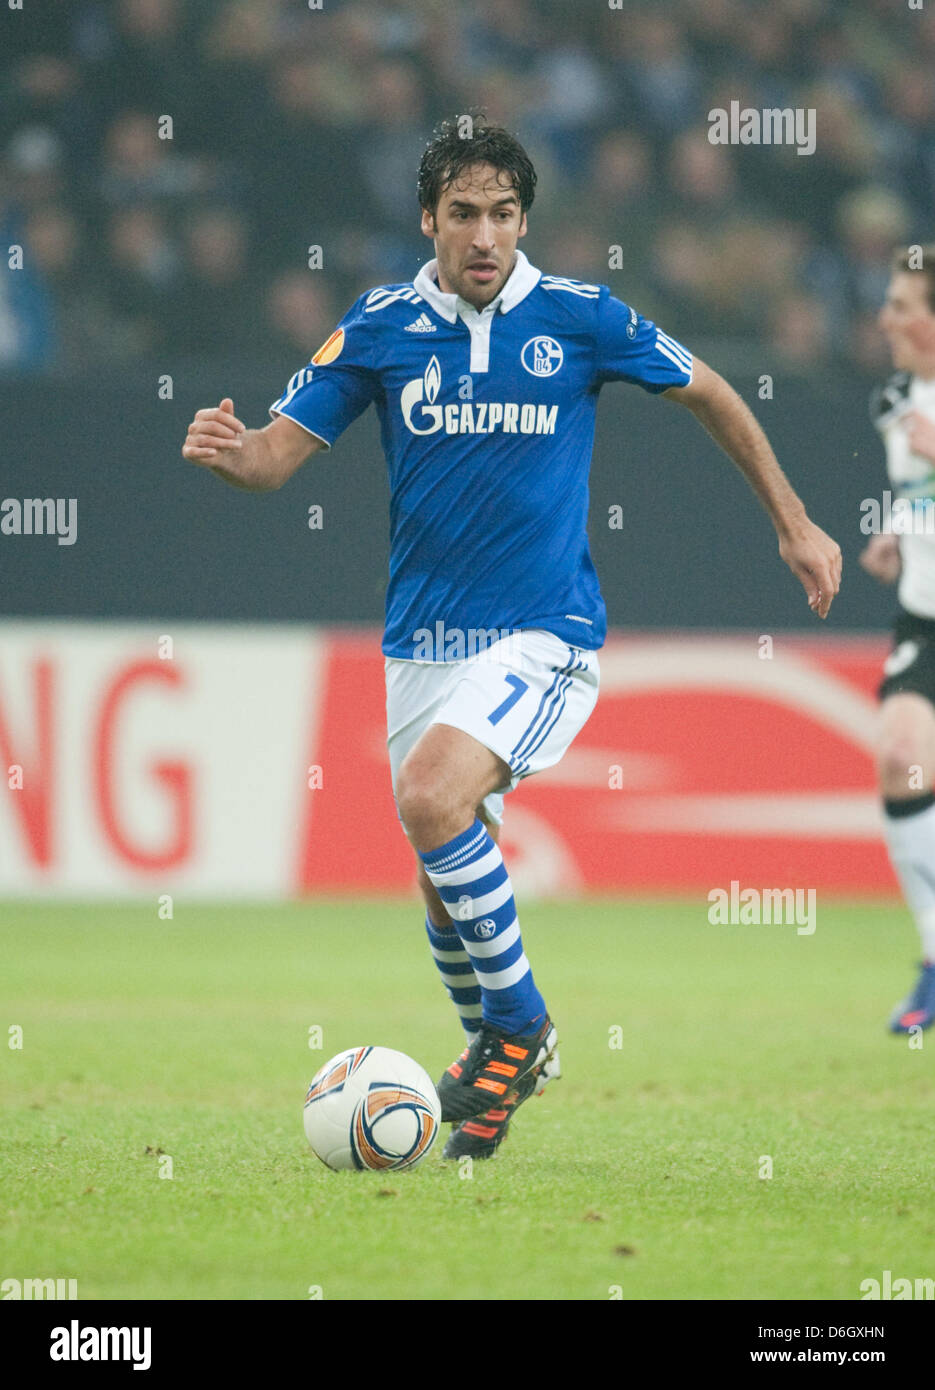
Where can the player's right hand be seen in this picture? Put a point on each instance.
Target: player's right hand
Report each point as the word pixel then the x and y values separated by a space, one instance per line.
pixel 213 432
pixel 881 558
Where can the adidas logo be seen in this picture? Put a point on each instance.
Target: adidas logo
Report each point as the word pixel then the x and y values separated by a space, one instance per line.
pixel 423 324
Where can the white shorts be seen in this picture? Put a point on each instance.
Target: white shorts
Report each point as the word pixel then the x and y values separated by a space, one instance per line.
pixel 525 698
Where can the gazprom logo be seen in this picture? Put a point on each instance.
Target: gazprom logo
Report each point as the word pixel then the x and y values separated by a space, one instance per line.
pixel 422 416
pixel 424 388
pixel 542 356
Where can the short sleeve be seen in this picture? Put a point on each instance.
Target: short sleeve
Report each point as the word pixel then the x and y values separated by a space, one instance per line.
pixel 889 401
pixel 337 385
pixel 631 348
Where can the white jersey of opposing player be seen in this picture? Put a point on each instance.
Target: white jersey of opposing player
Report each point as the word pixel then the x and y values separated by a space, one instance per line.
pixel 913 477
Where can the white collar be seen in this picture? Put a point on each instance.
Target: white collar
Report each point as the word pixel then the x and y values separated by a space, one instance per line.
pixel 522 278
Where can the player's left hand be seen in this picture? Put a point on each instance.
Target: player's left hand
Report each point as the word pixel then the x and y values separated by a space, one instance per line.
pixel 815 559
pixel 921 434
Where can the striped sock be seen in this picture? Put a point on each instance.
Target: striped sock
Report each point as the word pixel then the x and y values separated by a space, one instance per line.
pixel 457 975
pixel 474 885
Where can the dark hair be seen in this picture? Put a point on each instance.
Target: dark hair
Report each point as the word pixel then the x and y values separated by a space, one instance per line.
pixel 449 153
pixel 904 260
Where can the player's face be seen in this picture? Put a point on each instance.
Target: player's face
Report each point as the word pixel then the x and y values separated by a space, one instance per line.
pixel 477 224
pixel 908 321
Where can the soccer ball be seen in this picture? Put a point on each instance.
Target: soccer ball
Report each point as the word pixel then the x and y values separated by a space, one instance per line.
pixel 371 1107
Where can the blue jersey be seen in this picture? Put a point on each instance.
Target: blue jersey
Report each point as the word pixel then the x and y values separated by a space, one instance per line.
pixel 487 421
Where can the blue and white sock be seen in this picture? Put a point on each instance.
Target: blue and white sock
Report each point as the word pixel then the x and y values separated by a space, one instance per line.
pixel 473 883
pixel 457 975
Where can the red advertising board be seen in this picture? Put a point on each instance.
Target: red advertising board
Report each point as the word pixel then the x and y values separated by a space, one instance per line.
pixel 707 758
pixel 251 761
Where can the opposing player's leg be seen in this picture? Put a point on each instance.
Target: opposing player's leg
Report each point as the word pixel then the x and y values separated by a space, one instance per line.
pixel 907 774
pixel 439 785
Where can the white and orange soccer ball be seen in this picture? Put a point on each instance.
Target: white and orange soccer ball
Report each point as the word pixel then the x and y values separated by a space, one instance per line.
pixel 371 1107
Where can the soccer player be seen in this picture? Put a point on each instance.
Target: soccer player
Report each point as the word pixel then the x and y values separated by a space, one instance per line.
pixel 904 413
pixel 485 373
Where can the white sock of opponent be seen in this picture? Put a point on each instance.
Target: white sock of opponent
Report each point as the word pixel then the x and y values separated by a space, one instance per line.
pixel 910 839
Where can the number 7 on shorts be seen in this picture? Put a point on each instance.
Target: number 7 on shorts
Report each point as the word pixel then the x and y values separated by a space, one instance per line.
pixel 519 687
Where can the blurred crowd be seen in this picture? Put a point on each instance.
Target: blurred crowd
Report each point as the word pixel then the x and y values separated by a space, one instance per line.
pixel 292 126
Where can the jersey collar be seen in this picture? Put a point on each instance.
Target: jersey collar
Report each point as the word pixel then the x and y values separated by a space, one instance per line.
pixel 522 278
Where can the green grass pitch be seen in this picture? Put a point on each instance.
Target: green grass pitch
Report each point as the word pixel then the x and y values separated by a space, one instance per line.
pixel 638 1175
